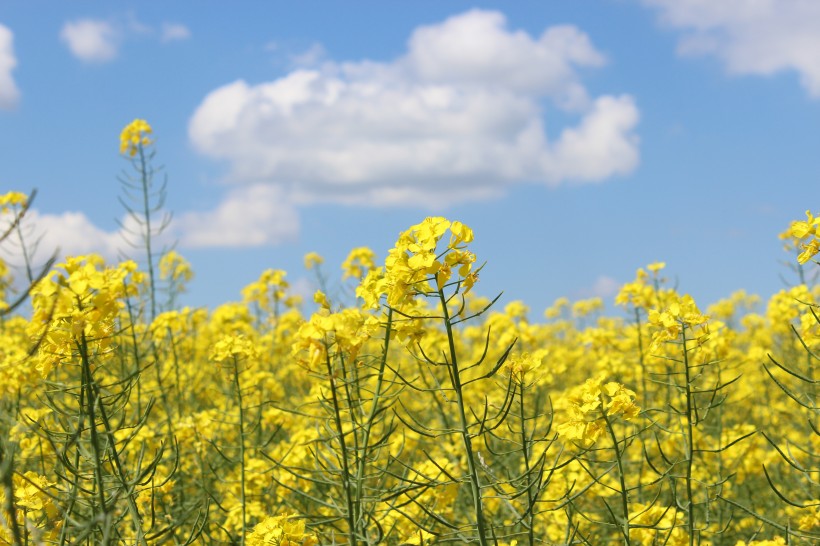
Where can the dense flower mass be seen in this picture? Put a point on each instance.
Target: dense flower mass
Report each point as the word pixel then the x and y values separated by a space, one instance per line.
pixel 405 409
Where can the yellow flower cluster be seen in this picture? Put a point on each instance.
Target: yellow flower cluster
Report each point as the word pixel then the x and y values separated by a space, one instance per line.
pixel 344 332
pixel 313 259
pixel 135 136
pixel 76 309
pixel 359 262
pixel 268 292
pixel 12 199
pixel 586 406
pixel 680 313
pixel 415 260
pixel 233 348
pixel 800 231
pixel 175 268
pixel 34 508
pixel 284 530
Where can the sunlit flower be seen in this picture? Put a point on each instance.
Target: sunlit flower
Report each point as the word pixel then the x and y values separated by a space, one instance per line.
pixel 135 136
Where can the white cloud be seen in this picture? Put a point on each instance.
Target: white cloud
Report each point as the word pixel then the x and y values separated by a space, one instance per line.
pixel 460 116
pixel 760 37
pixel 98 41
pixel 70 233
pixel 174 31
pixel 91 40
pixel 253 216
pixel 9 93
pixel 604 287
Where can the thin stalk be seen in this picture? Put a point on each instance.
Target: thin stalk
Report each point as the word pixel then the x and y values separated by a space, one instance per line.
pixel 368 425
pixel 147 211
pixel 689 439
pixel 621 477
pixel 241 445
pixel 525 449
pixel 475 485
pixel 351 516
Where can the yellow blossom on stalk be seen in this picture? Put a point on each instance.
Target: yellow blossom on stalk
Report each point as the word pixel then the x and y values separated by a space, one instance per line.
pixel 809 251
pixel 522 366
pixel 656 267
pixel 583 308
pixel 283 530
pixel 312 259
pixel 358 263
pixel 34 507
pixel 638 293
pixel 681 312
pixel 134 136
pixel 320 298
pixel 233 347
pixel 173 267
pixel 344 332
pixel 585 406
pixel 799 231
pixel 268 290
pixel 78 301
pixel 12 199
pixel 415 258
pixel 554 311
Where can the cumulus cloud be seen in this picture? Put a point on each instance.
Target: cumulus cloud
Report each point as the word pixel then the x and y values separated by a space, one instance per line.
pixel 461 115
pixel 91 40
pixel 174 31
pixel 760 37
pixel 99 41
pixel 70 234
pixel 253 216
pixel 9 93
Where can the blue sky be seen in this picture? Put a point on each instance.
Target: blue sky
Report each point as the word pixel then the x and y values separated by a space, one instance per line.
pixel 580 140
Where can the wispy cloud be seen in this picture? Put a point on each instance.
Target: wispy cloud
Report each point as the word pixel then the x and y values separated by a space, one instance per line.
pixel 761 37
pixel 171 32
pixel 99 41
pixel 92 41
pixel 9 92
pixel 604 287
pixel 460 116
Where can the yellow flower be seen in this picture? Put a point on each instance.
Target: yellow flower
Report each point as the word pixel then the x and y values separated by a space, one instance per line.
pixel 230 347
pixel 134 136
pixel 282 530
pixel 359 262
pixel 11 199
pixel 801 230
pixel 312 259
pixel 174 267
pixel 809 251
pixel 320 298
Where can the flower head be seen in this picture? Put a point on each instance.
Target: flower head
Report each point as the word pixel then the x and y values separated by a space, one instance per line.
pixel 134 136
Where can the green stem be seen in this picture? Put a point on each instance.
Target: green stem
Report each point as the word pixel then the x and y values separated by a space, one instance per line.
pixel 690 436
pixel 351 516
pixel 147 211
pixel 373 410
pixel 475 484
pixel 621 476
pixel 525 449
pixel 241 445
